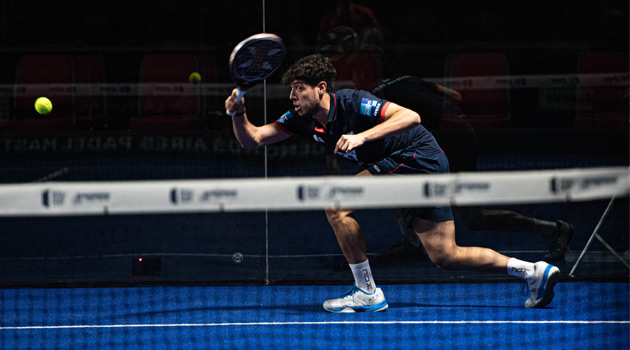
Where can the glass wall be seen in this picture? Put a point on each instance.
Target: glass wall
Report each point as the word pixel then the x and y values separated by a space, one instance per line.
pixel 515 86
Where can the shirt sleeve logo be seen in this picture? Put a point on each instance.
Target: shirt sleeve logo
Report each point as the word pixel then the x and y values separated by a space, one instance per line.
pixel 285 117
pixel 370 107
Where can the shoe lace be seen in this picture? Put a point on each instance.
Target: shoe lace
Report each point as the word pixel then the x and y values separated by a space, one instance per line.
pixel 350 292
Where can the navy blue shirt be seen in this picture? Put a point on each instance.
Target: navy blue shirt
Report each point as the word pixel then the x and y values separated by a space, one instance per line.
pixel 352 112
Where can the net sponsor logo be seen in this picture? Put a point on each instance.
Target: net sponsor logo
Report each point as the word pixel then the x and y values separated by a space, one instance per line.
pixel 58 198
pixel 567 184
pixel 307 192
pixel 53 198
pixel 336 192
pixel 339 192
pixel 469 187
pixel 559 185
pixel 181 195
pixel 91 197
pixel 599 181
pixel 218 195
pixel 435 190
pixel 442 190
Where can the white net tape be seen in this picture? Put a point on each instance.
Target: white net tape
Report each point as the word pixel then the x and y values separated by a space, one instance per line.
pixel 309 193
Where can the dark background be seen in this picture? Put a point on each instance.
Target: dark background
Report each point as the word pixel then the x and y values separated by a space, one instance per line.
pixel 536 38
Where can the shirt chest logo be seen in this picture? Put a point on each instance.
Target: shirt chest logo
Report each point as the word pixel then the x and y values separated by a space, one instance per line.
pixel 318 138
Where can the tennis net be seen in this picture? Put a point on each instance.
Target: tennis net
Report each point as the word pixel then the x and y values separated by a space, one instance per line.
pixel 273 230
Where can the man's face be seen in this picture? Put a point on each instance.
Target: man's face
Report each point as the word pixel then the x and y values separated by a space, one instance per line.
pixel 305 98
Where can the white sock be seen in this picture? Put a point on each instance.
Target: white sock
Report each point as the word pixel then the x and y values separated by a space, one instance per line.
pixel 520 268
pixel 363 276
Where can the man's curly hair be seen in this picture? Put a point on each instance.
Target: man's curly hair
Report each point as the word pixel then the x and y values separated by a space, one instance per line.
pixel 311 69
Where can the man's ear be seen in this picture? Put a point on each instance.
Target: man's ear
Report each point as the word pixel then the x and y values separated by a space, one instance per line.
pixel 322 87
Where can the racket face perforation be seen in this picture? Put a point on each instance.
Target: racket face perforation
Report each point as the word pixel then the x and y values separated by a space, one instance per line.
pixel 257 57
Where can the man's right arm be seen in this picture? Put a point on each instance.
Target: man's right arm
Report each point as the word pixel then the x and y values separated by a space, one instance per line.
pixel 249 135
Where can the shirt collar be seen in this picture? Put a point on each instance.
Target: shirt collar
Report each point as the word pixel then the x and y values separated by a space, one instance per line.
pixel 332 115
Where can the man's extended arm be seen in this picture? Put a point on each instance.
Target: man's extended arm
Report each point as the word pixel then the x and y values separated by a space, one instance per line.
pixel 249 135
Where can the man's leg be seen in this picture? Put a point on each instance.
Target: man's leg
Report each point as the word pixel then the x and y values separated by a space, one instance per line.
pixel 364 296
pixel 556 234
pixel 349 235
pixel 438 239
pixel 348 232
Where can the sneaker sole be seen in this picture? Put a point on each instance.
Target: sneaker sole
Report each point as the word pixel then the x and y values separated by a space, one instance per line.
pixel 382 306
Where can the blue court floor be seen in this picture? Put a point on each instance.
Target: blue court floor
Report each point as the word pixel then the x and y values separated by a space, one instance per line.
pixel 584 315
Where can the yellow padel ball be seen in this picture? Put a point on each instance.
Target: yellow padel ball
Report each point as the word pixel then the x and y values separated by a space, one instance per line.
pixel 194 78
pixel 43 105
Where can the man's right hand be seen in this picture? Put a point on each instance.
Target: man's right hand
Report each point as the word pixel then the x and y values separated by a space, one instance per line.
pixel 234 107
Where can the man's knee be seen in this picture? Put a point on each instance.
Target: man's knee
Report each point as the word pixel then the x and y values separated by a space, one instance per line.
pixel 442 262
pixel 442 257
pixel 438 239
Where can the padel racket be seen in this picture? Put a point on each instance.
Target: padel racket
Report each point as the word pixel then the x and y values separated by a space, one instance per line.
pixel 255 59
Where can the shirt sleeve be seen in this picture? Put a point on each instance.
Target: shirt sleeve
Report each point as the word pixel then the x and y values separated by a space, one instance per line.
pixel 292 124
pixel 371 106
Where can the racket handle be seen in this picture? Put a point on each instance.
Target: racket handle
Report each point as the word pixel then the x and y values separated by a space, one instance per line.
pixel 239 95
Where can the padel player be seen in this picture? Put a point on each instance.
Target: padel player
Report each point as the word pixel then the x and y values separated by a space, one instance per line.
pixel 385 138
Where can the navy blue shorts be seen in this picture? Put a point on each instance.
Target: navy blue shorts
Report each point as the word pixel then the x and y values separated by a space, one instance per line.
pixel 410 162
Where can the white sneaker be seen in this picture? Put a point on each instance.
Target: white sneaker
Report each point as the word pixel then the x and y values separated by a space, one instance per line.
pixel 357 300
pixel 541 285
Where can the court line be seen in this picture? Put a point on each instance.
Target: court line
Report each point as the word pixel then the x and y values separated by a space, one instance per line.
pixel 308 323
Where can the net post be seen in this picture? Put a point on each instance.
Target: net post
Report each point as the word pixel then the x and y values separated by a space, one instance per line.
pixel 596 235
